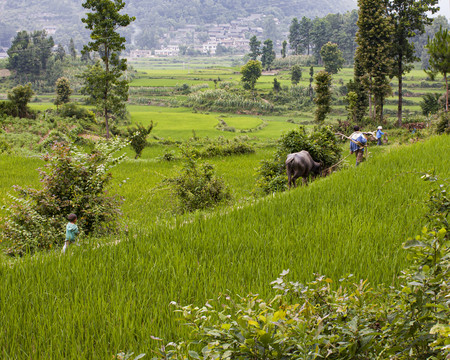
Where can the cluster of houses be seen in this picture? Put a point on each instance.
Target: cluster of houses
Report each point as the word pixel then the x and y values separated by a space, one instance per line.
pixel 3 54
pixel 206 39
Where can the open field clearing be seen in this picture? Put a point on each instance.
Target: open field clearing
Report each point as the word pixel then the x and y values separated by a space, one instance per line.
pixel 179 123
pixel 96 301
pixel 182 63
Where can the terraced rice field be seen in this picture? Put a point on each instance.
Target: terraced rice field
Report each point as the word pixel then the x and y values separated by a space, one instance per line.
pixel 99 300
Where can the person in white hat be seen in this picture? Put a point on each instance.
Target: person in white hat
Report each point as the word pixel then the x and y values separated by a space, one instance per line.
pixel 379 134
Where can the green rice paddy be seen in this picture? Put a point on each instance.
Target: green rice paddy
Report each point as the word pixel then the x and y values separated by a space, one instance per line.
pixel 98 300
pixel 113 294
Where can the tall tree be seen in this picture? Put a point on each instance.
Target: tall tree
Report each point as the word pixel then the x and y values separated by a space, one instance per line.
pixel 296 74
pixel 439 50
pixel 255 48
pixel 345 38
pixel 323 95
pixel 374 51
pixel 268 55
pixel 283 49
pixel 311 80
pixel 85 57
pixel 63 91
pixel 305 27
pixel 270 28
pixel 356 86
pixel 294 37
pixel 409 18
pixel 331 57
pixel 104 21
pixel 60 53
pixel 72 50
pixel 251 73
pixel 320 34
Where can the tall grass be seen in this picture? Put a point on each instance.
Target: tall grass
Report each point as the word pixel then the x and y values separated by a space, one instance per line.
pixel 95 301
pixel 223 100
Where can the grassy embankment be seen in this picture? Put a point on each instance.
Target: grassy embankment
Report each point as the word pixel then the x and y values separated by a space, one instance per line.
pixel 99 300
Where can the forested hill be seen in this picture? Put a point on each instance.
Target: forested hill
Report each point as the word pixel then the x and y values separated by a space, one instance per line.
pixel 158 16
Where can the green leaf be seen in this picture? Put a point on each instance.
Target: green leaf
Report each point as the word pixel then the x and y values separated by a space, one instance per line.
pixel 414 243
pixel 193 354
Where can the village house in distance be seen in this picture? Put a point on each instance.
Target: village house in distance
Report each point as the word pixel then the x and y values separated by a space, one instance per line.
pixel 206 39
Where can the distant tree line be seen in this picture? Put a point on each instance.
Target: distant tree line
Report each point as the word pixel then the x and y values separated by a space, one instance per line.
pixel 32 59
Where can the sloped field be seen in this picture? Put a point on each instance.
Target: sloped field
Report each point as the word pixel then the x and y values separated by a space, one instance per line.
pixel 96 301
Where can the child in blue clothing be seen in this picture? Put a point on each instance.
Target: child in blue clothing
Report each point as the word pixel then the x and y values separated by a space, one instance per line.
pixel 379 135
pixel 71 231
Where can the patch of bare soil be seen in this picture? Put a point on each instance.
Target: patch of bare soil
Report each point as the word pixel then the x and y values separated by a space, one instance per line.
pixel 270 72
pixel 90 137
pixel 5 73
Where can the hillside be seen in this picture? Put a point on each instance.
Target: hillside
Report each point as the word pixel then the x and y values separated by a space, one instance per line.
pixel 156 17
pixel 101 300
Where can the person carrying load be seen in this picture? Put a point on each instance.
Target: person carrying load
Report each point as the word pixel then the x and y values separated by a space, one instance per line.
pixel 357 143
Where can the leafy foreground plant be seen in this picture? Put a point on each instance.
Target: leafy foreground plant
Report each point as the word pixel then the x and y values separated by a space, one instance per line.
pixel 72 182
pixel 350 320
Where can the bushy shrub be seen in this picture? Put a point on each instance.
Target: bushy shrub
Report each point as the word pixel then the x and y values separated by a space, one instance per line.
pixel 53 137
pixel 197 187
pixel 5 147
pixel 322 145
pixel 289 61
pixel 294 97
pixel 7 108
pixel 138 137
pixel 184 89
pixel 223 100
pixel 220 147
pixel 20 96
pixel 168 156
pixel 73 110
pixel 443 125
pixel 72 182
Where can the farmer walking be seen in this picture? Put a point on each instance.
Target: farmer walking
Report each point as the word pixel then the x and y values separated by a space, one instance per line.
pixel 379 134
pixel 357 143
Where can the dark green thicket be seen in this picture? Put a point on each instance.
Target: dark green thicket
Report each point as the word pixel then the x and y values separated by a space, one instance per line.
pixel 321 144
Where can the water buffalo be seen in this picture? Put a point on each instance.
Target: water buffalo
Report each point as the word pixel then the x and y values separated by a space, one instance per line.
pixel 300 164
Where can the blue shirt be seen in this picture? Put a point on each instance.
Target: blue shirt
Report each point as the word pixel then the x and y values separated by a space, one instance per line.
pixel 359 137
pixel 379 133
pixel 71 232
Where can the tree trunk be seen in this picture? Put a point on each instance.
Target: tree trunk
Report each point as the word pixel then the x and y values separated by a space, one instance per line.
pixel 106 91
pixel 370 104
pixel 381 110
pixel 446 92
pixel 374 107
pixel 400 91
